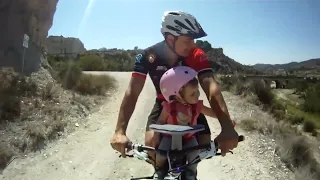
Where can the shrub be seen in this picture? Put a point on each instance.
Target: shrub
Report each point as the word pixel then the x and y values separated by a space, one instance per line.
pixel 279 114
pixel 69 75
pixel 249 124
pixel 227 82
pixel 92 63
pixel 275 105
pixel 301 86
pixel 13 87
pixel 5 156
pixel 309 126
pixel 262 91
pixel 13 83
pixel 296 152
pixel 312 99
pixel 294 119
pixel 94 84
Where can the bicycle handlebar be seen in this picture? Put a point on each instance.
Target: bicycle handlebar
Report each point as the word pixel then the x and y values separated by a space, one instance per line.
pixel 210 151
pixel 140 148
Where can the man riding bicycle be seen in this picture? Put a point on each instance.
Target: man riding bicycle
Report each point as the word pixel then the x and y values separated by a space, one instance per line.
pixel 179 30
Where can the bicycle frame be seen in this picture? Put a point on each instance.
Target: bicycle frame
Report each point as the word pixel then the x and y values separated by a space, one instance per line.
pixel 139 152
pixel 176 131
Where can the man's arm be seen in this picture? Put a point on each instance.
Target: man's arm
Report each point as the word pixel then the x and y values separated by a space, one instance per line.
pixel 212 89
pixel 130 98
pixel 129 103
pixel 228 138
pixel 199 61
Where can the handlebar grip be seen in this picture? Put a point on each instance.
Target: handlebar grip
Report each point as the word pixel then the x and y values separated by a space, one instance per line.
pixel 240 138
pixel 129 145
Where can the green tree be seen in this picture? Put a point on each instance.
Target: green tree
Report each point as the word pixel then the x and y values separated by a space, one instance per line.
pixel 92 63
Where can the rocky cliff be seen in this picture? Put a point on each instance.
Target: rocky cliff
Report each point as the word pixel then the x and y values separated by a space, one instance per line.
pixel 61 45
pixel 19 17
pixel 222 63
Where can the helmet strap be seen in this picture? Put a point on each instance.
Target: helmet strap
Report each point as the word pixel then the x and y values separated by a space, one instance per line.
pixel 173 48
pixel 173 112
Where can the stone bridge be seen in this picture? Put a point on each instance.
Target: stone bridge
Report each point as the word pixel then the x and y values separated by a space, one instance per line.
pixel 278 81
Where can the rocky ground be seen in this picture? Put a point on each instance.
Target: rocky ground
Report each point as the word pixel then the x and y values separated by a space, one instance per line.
pixel 86 152
pixel 48 113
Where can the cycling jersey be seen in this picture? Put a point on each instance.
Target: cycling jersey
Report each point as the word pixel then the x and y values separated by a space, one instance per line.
pixel 153 61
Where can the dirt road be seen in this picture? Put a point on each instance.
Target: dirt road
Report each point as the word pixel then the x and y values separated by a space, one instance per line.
pixel 87 155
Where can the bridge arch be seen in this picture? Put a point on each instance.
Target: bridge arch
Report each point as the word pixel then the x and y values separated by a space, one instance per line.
pixel 278 84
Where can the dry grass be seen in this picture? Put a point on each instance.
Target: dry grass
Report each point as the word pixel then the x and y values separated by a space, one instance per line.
pixel 34 110
pixel 258 93
pixel 13 87
pixel 50 91
pixel 292 147
pixel 309 126
pixel 295 119
pixel 94 84
pixel 40 132
pixel 249 124
pixel 71 77
pixel 5 156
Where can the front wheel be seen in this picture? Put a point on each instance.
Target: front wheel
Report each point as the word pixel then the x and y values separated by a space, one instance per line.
pixel 188 175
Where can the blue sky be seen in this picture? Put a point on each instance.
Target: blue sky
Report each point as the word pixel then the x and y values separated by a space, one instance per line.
pixel 260 31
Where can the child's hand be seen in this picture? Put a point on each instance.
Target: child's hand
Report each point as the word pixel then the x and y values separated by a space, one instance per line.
pixel 156 139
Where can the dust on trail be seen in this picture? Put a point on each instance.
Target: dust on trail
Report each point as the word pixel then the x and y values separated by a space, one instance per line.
pixel 87 155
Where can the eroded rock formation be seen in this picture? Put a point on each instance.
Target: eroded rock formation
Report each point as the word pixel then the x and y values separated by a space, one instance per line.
pixel 64 45
pixel 19 17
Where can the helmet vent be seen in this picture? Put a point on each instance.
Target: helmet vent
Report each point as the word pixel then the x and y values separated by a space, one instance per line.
pixel 190 24
pixel 173 28
pixel 181 24
pixel 174 13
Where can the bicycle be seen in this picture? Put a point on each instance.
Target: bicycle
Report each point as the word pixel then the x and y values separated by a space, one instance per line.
pixel 176 156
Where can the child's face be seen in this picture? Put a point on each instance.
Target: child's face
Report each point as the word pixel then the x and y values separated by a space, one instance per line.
pixel 191 93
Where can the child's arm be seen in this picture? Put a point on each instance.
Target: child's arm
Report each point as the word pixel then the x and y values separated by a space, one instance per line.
pixel 161 120
pixel 163 117
pixel 208 111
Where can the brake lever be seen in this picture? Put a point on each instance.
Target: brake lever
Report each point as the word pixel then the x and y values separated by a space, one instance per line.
pixel 219 153
pixel 127 155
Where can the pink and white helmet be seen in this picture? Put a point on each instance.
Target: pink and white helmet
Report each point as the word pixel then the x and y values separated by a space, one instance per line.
pixel 174 79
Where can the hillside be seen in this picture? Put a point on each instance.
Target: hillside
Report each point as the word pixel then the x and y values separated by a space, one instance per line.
pixel 308 67
pixel 222 63
pixel 124 59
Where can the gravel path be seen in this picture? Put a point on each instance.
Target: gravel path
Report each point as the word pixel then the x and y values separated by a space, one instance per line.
pixel 87 155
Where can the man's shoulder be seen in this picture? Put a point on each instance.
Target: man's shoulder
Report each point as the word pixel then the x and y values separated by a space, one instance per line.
pixel 197 53
pixel 198 60
pixel 150 53
pixel 156 49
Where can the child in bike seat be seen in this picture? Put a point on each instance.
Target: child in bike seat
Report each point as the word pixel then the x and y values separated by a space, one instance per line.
pixel 180 88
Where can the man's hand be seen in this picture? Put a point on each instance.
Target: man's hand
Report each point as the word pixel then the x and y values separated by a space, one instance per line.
pixel 227 140
pixel 119 139
pixel 119 142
